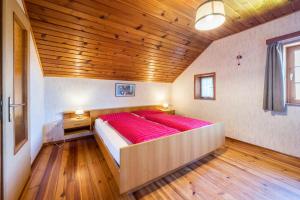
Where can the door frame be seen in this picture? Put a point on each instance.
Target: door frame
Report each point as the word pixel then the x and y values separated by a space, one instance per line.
pixel 1 103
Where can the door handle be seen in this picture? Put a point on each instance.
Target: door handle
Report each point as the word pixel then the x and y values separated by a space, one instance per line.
pixel 10 105
pixel 16 105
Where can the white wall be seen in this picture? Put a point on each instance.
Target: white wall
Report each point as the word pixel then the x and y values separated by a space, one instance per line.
pixel 68 94
pixel 240 89
pixel 36 103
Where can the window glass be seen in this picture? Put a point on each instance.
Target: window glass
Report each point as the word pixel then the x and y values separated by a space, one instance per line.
pixel 297 91
pixel 207 87
pixel 297 74
pixel 204 86
pixel 297 58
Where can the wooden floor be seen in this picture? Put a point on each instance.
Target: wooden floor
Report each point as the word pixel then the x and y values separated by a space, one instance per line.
pixel 77 170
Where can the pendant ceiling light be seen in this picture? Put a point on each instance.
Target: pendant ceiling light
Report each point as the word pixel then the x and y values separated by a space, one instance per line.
pixel 210 15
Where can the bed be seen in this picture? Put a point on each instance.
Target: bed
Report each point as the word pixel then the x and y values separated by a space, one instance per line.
pixel 135 165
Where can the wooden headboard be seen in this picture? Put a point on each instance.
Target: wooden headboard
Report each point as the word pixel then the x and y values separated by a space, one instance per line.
pixel 95 113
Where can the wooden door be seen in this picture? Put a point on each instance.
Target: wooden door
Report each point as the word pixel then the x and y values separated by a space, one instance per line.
pixel 16 148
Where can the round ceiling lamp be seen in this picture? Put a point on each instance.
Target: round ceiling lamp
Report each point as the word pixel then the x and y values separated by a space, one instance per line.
pixel 210 15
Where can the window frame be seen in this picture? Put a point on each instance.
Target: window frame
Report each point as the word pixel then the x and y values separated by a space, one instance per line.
pixel 290 84
pixel 198 88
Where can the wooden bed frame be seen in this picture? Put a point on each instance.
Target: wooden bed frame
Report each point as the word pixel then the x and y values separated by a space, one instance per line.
pixel 145 162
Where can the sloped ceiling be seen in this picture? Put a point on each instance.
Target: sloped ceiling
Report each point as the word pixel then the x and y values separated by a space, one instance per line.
pixel 142 40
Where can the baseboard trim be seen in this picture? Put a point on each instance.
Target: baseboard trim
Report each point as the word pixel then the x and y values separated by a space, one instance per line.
pixel 268 149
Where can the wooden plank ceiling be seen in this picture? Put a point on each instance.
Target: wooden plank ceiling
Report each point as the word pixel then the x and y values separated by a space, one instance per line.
pixel 141 40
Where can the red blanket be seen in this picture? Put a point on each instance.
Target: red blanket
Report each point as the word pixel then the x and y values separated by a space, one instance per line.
pixel 136 129
pixel 144 113
pixel 176 121
pixel 116 116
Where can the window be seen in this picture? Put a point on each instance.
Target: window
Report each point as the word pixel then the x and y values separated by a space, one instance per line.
pixel 293 74
pixel 20 56
pixel 205 86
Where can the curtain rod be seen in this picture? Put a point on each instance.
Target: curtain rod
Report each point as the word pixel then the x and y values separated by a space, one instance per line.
pixel 283 37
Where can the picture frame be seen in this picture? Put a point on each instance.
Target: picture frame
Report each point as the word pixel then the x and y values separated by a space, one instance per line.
pixel 124 90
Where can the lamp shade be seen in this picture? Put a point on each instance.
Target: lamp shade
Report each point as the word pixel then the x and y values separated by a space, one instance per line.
pixel 210 15
pixel 165 105
pixel 79 112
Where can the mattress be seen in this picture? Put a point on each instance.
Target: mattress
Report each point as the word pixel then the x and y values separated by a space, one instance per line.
pixel 111 138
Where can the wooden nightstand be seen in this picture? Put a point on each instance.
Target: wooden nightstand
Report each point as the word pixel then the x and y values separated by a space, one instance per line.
pixel 168 111
pixel 75 125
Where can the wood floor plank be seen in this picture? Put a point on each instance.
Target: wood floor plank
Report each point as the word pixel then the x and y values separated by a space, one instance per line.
pixel 61 187
pixel 98 179
pixel 86 192
pixel 49 176
pixel 38 170
pixel 233 179
pixel 77 170
pixel 225 187
pixel 183 186
pixel 167 190
pixel 262 168
pixel 272 187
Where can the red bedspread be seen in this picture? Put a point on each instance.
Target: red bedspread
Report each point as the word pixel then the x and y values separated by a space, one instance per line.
pixel 116 116
pixel 136 129
pixel 176 121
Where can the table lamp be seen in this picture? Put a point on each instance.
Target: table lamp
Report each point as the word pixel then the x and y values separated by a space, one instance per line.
pixel 79 113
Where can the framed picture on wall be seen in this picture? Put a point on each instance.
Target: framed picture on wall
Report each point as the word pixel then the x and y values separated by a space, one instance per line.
pixel 125 90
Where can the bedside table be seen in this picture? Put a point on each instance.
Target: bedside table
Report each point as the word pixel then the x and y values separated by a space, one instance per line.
pixel 168 111
pixel 75 125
